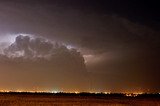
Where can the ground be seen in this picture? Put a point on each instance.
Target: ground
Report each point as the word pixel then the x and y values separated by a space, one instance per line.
pixel 43 99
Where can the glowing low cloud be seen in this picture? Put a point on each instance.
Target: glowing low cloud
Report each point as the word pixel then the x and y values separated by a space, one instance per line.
pixel 49 65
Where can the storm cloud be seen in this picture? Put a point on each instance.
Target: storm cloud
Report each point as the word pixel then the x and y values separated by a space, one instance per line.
pixel 52 65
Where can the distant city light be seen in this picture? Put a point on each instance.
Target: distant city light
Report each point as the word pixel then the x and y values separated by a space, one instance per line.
pixel 133 94
pixel 107 92
pixel 76 92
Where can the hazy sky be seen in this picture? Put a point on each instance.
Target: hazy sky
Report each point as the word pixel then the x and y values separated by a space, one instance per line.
pixel 80 45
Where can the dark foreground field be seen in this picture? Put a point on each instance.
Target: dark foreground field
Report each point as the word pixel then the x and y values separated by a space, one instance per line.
pixel 46 99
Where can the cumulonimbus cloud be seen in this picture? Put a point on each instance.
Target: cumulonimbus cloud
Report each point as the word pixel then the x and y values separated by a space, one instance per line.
pixel 34 49
pixel 48 64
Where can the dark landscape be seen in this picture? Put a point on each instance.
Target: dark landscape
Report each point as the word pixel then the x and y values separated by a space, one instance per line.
pixel 81 99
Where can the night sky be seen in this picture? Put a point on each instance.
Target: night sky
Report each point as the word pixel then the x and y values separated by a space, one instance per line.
pixel 80 45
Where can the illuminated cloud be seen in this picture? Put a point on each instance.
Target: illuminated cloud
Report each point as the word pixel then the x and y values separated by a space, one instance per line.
pixel 51 64
pixel 36 48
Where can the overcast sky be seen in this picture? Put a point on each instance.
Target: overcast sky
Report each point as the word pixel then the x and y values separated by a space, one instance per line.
pixel 80 45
